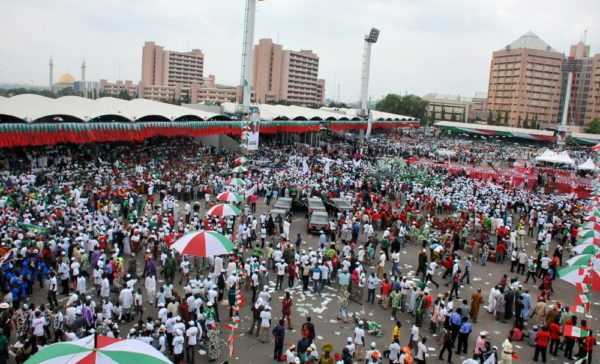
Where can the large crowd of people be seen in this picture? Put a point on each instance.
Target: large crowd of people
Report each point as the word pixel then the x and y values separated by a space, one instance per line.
pixel 86 234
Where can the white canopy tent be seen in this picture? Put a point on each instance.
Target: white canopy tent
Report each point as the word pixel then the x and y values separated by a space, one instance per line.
pixel 555 158
pixel 588 165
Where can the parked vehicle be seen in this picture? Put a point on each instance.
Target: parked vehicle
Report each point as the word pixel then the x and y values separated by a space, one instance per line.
pixel 317 222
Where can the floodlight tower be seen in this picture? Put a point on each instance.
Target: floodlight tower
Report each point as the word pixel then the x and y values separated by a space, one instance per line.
pixel 247 55
pixel 370 39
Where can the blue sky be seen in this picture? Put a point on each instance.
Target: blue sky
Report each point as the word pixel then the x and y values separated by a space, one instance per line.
pixel 425 45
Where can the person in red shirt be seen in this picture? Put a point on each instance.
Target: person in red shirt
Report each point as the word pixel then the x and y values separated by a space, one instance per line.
pixel 554 337
pixel 541 344
pixel 386 288
pixel 589 342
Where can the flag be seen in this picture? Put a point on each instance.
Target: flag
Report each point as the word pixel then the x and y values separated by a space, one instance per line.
pixel 33 228
pixel 582 360
pixel 582 288
pixel 369 125
pixel 576 309
pixel 490 360
pixel 575 331
pixel 581 299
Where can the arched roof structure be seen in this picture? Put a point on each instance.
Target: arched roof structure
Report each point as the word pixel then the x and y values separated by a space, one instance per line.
pixel 31 108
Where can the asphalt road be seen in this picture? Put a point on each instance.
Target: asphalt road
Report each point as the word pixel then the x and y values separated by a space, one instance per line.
pixel 323 310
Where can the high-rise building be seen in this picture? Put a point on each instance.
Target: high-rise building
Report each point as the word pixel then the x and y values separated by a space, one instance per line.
pixel 584 103
pixel 525 82
pixel 285 75
pixel 448 107
pixel 162 67
pixel 593 99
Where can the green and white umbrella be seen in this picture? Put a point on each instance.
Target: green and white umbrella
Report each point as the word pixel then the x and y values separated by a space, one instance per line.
pixel 240 160
pixel 231 197
pixel 591 225
pixel 587 248
pixel 203 244
pixel 100 350
pixel 223 210
pixel 581 274
pixel 239 169
pixel 584 259
pixel 588 233
pixel 235 182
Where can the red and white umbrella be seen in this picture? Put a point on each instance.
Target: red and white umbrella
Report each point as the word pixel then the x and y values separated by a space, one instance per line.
pixel 99 350
pixel 596 148
pixel 591 225
pixel 230 197
pixel 203 244
pixel 240 160
pixel 581 274
pixel 235 182
pixel 223 210
pixel 239 169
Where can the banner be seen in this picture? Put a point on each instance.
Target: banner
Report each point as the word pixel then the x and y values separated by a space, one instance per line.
pixel 33 228
pixel 251 130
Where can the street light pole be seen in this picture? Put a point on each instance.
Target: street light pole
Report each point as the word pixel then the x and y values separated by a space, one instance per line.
pixel 370 39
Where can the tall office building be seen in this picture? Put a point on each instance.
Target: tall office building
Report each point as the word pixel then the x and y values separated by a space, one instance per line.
pixel 162 67
pixel 285 75
pixel 525 82
pixel 593 99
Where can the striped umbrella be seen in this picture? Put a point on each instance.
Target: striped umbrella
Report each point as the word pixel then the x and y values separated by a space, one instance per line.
pixel 587 248
pixel 595 241
pixel 230 197
pixel 235 182
pixel 239 169
pixel 588 233
pixel 591 225
pixel 581 274
pixel 584 259
pixel 223 210
pixel 203 244
pixel 240 160
pixel 101 350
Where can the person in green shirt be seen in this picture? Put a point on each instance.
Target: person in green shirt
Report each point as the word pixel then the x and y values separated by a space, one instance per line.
pixel 3 347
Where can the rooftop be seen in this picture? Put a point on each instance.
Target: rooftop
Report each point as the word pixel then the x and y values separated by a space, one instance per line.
pixel 530 40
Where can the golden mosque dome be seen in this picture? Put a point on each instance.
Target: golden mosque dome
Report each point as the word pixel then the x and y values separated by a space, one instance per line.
pixel 66 78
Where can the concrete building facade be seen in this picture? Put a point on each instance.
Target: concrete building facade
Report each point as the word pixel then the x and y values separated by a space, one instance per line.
pixel 525 82
pixel 114 89
pixel 286 75
pixel 448 107
pixel 593 97
pixel 168 68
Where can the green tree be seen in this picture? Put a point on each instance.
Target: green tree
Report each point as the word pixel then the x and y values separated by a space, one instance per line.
pixel 453 117
pixel 490 119
pixel 535 122
pixel 124 95
pixel 409 105
pixel 340 105
pixel 526 121
pixel 593 127
pixel 519 122
pixel 505 118
pixel 443 116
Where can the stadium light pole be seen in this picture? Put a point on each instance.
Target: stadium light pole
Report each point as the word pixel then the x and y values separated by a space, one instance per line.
pixel 247 55
pixel 370 39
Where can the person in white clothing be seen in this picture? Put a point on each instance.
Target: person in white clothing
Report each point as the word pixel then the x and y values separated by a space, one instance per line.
pixel 265 323
pixel 192 339
pixel 150 285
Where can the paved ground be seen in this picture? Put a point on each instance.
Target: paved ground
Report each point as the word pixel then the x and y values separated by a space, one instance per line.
pixel 323 311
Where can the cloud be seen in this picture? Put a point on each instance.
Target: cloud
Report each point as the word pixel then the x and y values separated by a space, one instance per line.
pixel 424 46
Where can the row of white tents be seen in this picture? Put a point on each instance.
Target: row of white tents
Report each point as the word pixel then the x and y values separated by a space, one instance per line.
pixel 563 158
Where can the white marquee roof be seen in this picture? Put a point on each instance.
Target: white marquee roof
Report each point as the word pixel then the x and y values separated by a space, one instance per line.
pixel 272 112
pixel 30 107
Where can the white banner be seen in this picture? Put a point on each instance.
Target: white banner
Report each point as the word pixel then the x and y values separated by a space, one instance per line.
pixel 251 130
